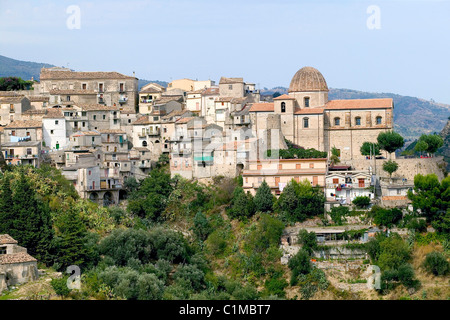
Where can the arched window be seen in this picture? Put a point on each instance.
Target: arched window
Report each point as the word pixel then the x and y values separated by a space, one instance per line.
pixel 337 121
pixel 144 143
pixel 306 102
pixel 358 121
pixel 283 107
pixel 379 119
pixel 305 122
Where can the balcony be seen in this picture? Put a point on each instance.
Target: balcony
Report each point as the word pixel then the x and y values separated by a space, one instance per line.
pixel 101 101
pixel 154 133
pixel 123 100
pixel 146 101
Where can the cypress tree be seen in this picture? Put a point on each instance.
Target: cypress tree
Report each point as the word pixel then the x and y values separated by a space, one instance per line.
pixel 5 204
pixel 263 198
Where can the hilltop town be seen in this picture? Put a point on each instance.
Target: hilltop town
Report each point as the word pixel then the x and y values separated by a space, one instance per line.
pixel 288 188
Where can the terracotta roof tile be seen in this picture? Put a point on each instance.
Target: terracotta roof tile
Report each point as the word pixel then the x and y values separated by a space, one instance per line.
pixel 210 91
pixel 7 239
pixel 225 80
pixel 97 107
pixel 318 110
pixel 69 91
pixel 54 114
pixel 284 97
pixel 16 99
pixel 262 107
pixel 384 103
pixel 24 124
pixel 16 258
pixel 184 120
pixel 63 75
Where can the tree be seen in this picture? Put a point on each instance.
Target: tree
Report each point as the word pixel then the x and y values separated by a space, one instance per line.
pixel 390 167
pixel 386 217
pixel 433 142
pixel 150 199
pixel 31 224
pixel 335 154
pixel 6 201
pixel 308 240
pixel 202 227
pixel 71 235
pixel 390 141
pixel 393 252
pixel 337 214
pixel 242 205
pixel 421 146
pixel 263 198
pixel 436 263
pixel 370 148
pixel 14 83
pixel 431 197
pixel 361 201
pixel 299 264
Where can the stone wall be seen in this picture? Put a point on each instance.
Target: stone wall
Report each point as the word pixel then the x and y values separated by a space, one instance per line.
pixel 407 168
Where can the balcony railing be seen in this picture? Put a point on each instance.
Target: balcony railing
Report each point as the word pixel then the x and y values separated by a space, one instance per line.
pixel 123 100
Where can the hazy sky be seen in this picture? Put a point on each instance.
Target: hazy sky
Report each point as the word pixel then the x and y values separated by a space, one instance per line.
pixel 265 42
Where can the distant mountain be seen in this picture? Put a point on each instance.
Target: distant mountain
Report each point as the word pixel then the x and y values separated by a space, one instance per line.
pixel 23 69
pixel 412 116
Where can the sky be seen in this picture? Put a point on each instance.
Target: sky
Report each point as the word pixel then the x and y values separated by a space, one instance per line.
pixel 398 46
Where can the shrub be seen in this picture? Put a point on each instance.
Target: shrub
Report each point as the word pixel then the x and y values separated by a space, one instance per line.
pixel 264 198
pixel 312 282
pixel 275 285
pixel 436 263
pixel 418 225
pixel 338 214
pixel 202 228
pixel 361 201
pixel 393 252
pixel 216 243
pixel 299 264
pixel 60 286
pixel 308 240
pixel 169 245
pixel 190 275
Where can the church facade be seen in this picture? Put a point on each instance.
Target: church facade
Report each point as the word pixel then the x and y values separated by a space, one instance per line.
pixel 310 120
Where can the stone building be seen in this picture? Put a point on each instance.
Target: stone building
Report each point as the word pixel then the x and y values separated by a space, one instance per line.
pixel 16 265
pixel 67 87
pixel 309 120
pixel 12 106
pixel 278 172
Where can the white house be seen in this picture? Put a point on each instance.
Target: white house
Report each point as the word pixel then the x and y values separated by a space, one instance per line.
pixel 345 186
pixel 54 129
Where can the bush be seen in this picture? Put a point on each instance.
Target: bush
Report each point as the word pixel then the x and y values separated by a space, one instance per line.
pixel 191 276
pixel 60 286
pixel 263 198
pixel 202 228
pixel 299 264
pixel 393 252
pixel 275 285
pixel 216 243
pixel 436 263
pixel 418 225
pixel 169 245
pixel 361 201
pixel 386 217
pixel 312 282
pixel 338 214
pixel 308 240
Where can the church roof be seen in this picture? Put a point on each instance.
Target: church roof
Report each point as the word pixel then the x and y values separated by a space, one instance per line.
pixel 262 107
pixel 308 79
pixel 384 103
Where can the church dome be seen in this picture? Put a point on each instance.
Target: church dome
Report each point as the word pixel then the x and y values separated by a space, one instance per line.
pixel 308 79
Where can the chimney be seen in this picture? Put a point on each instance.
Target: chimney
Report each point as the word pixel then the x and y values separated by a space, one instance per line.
pixel 134 74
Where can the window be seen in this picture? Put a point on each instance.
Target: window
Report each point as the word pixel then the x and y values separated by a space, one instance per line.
pixel 305 122
pixel 29 151
pixel 144 143
pixel 358 121
pixel 95 117
pixel 67 98
pixel 51 131
pixel 2 250
pixel 186 164
pixel 13 132
pixel 155 118
pixel 84 124
pixel 84 86
pixel 56 122
pixel 230 87
pixel 337 121
pixel 83 113
pixel 311 165
pixel 306 102
pixel 164 129
pixel 378 119
pixel 93 139
pixel 121 87
pixel 104 117
pixel 283 107
pixel 89 172
pixel 100 87
pixel 335 181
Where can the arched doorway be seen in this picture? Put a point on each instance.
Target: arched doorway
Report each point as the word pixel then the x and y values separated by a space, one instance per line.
pixel 93 196
pixel 107 198
pixel 239 168
pixel 122 194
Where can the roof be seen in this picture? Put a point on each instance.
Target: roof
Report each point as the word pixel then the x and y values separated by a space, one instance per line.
pixel 54 114
pixel 150 90
pixel 86 133
pixel 16 258
pixel 184 120
pixel 24 124
pixel 142 120
pixel 243 111
pixel 262 107
pixel 47 74
pixel 224 80
pixel 308 79
pixel 284 97
pixel 318 110
pixel 38 98
pixel 210 91
pixel 21 144
pixel 118 131
pixel 10 94
pixel 166 99
pixel 140 149
pixel 15 99
pixel 7 239
pixel 384 103
pixel 97 107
